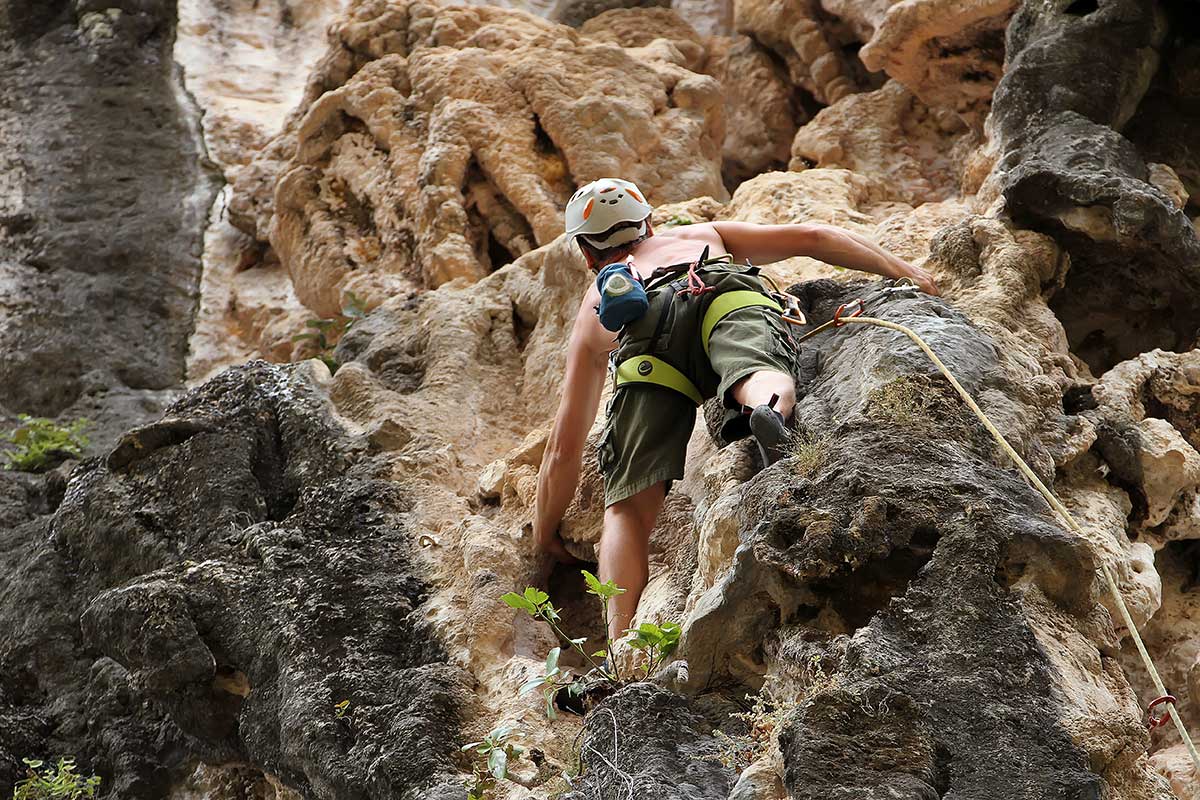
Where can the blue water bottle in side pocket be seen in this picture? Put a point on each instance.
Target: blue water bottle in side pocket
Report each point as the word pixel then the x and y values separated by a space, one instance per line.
pixel 622 296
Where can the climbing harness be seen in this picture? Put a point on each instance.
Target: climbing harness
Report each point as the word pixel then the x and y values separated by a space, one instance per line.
pixel 841 319
pixel 648 369
pixel 726 303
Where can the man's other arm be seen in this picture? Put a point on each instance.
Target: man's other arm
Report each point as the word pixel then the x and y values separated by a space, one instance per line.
pixel 583 383
pixel 763 244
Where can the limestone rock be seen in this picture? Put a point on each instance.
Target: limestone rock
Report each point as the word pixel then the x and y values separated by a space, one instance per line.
pixel 577 12
pixel 1173 635
pixel 102 206
pixel 888 135
pixel 761 111
pixel 451 149
pixel 1147 415
pixel 656 743
pixel 245 64
pixel 1168 113
pixel 203 572
pixel 1073 80
pixel 949 53
pixel 186 614
pixel 812 50
pixel 640 27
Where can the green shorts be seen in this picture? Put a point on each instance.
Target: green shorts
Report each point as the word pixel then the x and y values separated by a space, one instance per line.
pixel 648 426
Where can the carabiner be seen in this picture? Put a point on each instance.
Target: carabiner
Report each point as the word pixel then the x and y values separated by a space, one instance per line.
pixel 1152 721
pixel 839 316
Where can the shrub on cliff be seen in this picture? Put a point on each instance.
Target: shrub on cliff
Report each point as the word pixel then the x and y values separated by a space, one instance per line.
pixel 58 782
pixel 38 442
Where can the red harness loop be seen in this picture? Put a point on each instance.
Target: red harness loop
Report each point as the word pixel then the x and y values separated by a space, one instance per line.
pixel 696 285
pixel 1152 721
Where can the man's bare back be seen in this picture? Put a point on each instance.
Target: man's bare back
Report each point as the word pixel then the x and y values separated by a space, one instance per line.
pixel 675 246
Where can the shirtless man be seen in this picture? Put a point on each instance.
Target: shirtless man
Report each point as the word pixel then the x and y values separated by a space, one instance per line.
pixel 685 348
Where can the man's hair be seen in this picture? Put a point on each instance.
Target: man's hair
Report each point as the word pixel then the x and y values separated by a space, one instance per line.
pixel 605 256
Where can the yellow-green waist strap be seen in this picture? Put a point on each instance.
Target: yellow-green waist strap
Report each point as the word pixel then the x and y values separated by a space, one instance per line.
pixel 648 369
pixel 726 303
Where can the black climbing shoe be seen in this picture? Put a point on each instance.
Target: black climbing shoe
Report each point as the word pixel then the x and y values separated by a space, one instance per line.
pixel 771 433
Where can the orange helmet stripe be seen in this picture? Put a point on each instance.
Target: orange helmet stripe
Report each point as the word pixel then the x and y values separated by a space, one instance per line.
pixel 587 210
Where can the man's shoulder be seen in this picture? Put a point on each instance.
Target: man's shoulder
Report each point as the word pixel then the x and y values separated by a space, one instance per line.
pixel 693 230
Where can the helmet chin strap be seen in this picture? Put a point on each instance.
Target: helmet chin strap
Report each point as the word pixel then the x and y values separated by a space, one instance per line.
pixel 617 238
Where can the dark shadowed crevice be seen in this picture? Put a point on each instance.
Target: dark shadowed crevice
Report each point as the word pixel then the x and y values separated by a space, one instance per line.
pixel 1107 322
pixel 498 254
pixel 522 327
pixel 29 19
pixel 580 611
pixel 497 230
pixel 1081 8
pixel 542 141
pixel 856 598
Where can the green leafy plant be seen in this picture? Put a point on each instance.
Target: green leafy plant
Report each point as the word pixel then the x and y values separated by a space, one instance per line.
pixel 37 442
pixel 492 756
pixel 658 642
pixel 58 782
pixel 536 604
pixel 550 682
pixel 341 711
pixel 605 591
pixel 326 333
pixel 678 219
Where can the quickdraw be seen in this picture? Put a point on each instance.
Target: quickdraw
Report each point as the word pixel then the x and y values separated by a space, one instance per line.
pixel 1152 721
pixel 789 302
pixel 840 316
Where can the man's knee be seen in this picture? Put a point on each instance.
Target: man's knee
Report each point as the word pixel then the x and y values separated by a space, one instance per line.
pixel 757 386
pixel 640 509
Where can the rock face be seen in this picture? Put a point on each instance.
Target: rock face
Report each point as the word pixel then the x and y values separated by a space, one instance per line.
pixel 245 63
pixel 103 198
pixel 287 584
pixel 1074 80
pixel 461 102
pixel 195 618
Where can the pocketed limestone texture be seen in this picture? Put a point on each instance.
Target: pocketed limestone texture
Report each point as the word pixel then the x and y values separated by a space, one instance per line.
pixel 436 143
pixel 287 583
pixel 213 588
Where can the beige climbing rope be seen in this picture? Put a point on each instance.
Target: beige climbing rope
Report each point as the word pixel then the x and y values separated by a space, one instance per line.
pixel 839 320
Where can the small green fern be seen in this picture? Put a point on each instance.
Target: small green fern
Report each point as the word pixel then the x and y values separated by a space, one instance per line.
pixel 38 442
pixel 59 782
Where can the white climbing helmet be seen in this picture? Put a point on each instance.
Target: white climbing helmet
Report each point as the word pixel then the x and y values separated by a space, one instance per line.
pixel 603 203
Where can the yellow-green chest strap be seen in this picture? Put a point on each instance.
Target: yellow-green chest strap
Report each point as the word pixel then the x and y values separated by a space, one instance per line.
pixel 648 369
pixel 726 303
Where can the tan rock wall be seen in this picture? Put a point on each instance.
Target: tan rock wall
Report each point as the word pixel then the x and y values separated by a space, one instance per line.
pixel 245 64
pixel 426 168
pixel 457 140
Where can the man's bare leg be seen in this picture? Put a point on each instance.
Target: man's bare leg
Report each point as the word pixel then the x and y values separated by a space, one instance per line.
pixel 624 552
pixel 756 389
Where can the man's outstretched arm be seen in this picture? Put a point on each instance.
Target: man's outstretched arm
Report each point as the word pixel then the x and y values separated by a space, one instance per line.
pixel 583 383
pixel 763 244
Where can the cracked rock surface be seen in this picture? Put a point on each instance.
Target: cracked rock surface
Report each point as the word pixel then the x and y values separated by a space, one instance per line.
pixel 284 582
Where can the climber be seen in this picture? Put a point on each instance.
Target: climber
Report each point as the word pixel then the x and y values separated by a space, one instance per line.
pixel 693 324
